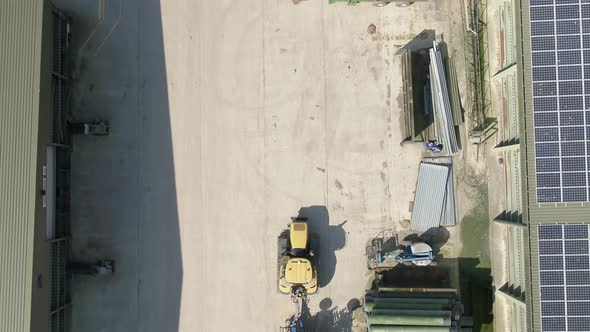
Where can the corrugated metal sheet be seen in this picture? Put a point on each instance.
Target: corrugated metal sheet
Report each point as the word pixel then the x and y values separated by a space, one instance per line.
pixel 20 61
pixel 454 94
pixel 430 196
pixel 449 217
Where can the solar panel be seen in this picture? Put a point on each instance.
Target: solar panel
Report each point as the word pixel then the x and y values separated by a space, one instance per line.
pixel 551 262
pixel 571 118
pixel 553 323
pixel 568 57
pixel 578 292
pixel 570 72
pixel 552 308
pixel 576 247
pixel 570 88
pixel 571 164
pixel 545 104
pixel 548 165
pixel 546 150
pixel 567 12
pixel 578 308
pixel 578 323
pixel 572 134
pixel 568 42
pixel 560 48
pixel 564 276
pixel 542 28
pixel 550 293
pixel 567 27
pixel 574 194
pixel 573 149
pixel 546 134
pixel 541 2
pixel 575 231
pixel 576 263
pixel 544 59
pixel 541 13
pixel 551 232
pixel 544 74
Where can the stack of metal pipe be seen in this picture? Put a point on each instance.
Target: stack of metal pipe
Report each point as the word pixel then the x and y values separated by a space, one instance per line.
pixel 416 311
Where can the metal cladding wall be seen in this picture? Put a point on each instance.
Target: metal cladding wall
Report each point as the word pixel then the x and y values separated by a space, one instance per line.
pixel 20 65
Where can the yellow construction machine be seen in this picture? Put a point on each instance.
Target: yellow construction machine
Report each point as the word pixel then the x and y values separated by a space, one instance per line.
pixel 297 262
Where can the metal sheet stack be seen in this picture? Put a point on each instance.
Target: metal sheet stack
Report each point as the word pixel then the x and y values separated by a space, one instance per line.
pixel 434 202
pixel 441 104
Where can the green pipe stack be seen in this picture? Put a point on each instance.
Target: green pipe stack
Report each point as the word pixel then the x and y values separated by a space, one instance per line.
pixel 385 328
pixel 397 311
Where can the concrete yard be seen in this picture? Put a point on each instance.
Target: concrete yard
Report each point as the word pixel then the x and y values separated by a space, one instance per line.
pixel 228 118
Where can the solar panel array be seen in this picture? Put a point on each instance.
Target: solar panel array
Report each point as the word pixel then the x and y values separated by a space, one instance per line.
pixel 560 44
pixel 564 265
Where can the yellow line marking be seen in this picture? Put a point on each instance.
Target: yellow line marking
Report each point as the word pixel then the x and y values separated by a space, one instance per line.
pixel 100 20
pixel 101 9
pixel 112 28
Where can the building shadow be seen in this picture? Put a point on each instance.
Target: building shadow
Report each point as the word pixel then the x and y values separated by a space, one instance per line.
pixel 510 216
pixel 331 238
pixel 420 61
pixel 123 187
pixel 477 292
pixel 412 276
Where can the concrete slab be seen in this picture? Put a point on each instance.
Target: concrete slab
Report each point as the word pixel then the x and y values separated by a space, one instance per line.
pixel 227 119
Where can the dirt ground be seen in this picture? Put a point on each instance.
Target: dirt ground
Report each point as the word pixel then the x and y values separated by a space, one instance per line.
pixel 227 119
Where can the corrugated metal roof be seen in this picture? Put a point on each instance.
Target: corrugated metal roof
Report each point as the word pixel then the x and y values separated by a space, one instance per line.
pixel 533 212
pixel 430 196
pixel 20 61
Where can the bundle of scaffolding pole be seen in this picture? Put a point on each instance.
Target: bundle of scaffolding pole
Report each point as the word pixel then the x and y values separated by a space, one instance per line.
pixel 441 105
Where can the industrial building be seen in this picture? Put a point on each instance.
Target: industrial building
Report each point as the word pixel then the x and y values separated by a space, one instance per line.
pixel 544 52
pixel 34 170
pixel 544 129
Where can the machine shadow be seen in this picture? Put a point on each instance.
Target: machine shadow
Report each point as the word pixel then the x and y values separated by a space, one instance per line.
pixel 124 202
pixel 330 319
pixel 331 239
pixel 435 237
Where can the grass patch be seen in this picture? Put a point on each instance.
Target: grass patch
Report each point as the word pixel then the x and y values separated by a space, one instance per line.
pixel 475 237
